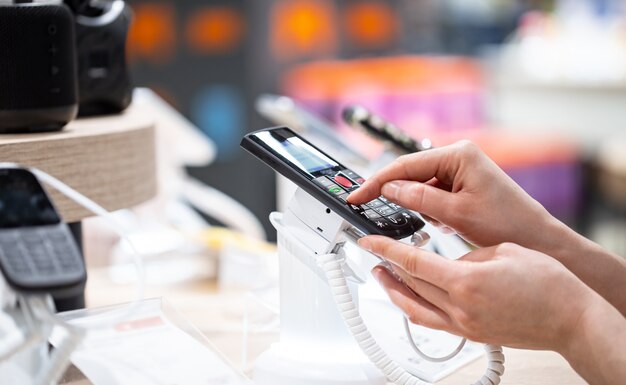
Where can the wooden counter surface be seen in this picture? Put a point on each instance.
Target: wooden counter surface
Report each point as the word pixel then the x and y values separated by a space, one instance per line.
pixel 219 316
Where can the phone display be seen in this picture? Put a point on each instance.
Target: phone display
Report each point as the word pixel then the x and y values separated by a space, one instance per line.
pixel 329 181
pixel 23 202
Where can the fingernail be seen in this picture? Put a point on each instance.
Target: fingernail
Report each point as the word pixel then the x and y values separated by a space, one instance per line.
pixel 391 189
pixel 376 272
pixel 447 230
pixel 364 243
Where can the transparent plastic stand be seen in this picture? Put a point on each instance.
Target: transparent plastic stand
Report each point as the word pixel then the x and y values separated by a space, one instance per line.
pixel 23 367
pixel 154 346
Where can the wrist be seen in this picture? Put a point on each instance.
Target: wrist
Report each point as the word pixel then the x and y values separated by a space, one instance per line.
pixel 557 240
pixel 574 336
pixel 594 347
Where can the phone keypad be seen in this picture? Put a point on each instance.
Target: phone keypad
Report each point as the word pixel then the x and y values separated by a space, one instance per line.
pixel 376 203
pixel 371 214
pixel 40 254
pixel 385 210
pixel 383 213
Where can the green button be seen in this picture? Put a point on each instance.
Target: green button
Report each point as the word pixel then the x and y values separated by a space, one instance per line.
pixel 335 190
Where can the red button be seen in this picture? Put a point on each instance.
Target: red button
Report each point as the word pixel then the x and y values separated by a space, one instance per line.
pixel 342 180
pixel 360 181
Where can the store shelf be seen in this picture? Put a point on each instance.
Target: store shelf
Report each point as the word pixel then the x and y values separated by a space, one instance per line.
pixel 109 159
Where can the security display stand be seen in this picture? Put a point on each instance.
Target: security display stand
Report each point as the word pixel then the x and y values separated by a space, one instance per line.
pixel 315 345
pixel 109 159
pixel 319 309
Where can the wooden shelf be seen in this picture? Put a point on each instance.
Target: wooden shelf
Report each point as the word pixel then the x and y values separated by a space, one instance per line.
pixel 108 159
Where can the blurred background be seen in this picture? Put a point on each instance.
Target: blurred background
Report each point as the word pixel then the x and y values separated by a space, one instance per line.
pixel 539 85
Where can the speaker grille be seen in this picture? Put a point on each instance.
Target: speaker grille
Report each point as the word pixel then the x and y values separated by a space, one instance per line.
pixel 37 57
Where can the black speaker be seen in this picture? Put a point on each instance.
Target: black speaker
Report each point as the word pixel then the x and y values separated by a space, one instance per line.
pixel 38 82
pixel 103 78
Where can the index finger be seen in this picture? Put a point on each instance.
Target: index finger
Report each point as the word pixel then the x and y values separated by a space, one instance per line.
pixel 419 263
pixel 419 167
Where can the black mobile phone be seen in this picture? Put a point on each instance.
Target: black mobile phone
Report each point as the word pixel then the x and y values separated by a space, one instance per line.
pixel 37 251
pixel 329 182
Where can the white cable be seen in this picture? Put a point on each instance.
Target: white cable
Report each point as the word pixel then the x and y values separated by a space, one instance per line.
pixel 425 356
pixel 407 329
pixel 222 207
pixel 394 372
pixel 105 319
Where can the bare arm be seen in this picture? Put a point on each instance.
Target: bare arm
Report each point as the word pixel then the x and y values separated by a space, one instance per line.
pixel 600 269
pixel 596 350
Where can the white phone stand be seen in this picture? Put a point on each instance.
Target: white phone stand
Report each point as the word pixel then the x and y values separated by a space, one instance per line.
pixel 315 345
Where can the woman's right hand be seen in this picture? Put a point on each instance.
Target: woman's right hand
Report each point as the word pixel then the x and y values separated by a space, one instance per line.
pixel 459 187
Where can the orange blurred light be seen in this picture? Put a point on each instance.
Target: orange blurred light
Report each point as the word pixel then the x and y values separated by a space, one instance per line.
pixel 152 34
pixel 371 24
pixel 303 28
pixel 215 30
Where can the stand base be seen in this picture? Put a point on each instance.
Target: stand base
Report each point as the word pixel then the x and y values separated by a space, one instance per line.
pixel 280 366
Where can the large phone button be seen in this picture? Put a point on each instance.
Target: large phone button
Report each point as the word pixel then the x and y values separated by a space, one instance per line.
pixel 398 219
pixel 323 181
pixel 342 180
pixel 375 203
pixel 371 214
pixel 356 208
pixel 385 210
pixel 334 189
pixel 395 206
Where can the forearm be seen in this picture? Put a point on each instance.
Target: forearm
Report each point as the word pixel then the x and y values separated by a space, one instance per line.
pixel 596 346
pixel 599 269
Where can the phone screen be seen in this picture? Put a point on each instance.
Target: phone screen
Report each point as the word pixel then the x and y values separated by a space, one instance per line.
pixel 295 151
pixel 23 202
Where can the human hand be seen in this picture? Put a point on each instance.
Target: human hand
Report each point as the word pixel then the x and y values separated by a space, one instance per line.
pixel 459 187
pixel 505 295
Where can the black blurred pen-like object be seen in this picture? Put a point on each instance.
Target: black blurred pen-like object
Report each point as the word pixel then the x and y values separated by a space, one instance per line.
pixel 360 117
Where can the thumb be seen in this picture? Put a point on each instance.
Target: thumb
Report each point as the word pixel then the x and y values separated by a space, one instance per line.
pixel 426 199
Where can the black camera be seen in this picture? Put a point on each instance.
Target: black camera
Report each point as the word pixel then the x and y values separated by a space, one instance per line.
pixel 101 26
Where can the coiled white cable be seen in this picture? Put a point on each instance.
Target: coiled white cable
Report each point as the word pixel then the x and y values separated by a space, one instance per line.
pixel 393 371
